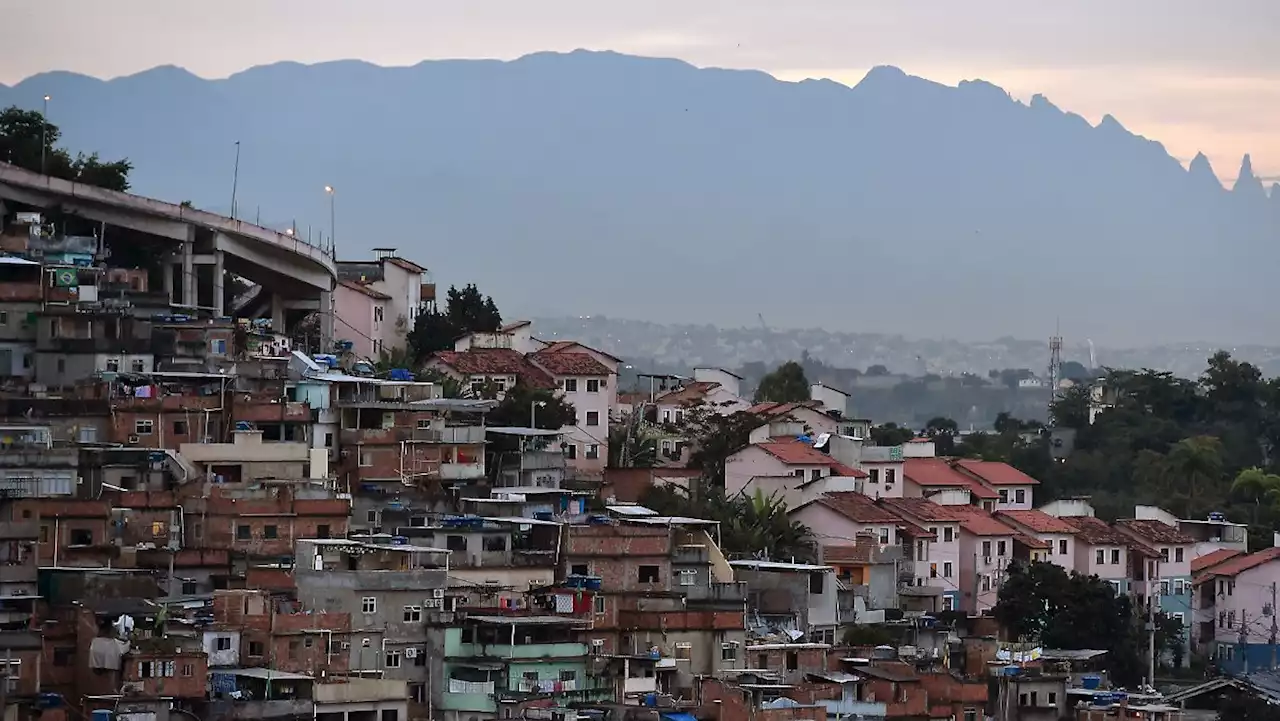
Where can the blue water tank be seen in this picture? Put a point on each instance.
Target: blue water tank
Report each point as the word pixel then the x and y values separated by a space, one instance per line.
pixel 101 714
pixel 1091 682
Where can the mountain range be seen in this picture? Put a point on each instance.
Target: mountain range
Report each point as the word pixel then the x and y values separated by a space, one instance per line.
pixel 600 183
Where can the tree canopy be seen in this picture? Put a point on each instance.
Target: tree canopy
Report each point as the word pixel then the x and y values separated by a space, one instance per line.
pixel 1040 602
pixel 786 384
pixel 465 311
pixel 24 132
pixel 754 526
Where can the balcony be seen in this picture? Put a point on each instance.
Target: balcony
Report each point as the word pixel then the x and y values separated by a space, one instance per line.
pixel 735 593
pixel 16 292
pixel 19 530
pixel 541 460
pixel 131 346
pixel 461 471
pixel 459 435
pixel 521 651
pixel 640 685
pixel 690 556
pixel 18 574
pixel 484 688
pixel 267 412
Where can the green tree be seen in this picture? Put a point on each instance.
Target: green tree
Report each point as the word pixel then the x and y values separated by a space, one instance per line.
pixel 889 434
pixel 786 384
pixel 942 431
pixel 1197 463
pixel 751 526
pixel 631 444
pixel 22 133
pixel 715 436
pixel 1070 408
pixel 466 311
pixel 518 403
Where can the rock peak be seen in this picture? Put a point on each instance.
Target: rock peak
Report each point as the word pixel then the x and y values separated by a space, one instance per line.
pixel 1248 184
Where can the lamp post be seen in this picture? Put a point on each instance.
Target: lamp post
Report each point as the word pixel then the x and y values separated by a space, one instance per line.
pixel 332 216
pixel 44 133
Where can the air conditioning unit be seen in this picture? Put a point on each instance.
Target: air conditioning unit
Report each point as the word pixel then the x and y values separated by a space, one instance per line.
pixel 411 653
pixel 437 593
pixel 431 603
pixel 133 439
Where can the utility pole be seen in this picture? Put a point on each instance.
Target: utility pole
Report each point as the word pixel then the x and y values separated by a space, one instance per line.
pixel 235 180
pixel 1152 588
pixel 1244 640
pixel 977 584
pixel 1274 625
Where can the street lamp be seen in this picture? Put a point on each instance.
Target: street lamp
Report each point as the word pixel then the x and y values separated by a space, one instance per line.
pixel 44 130
pixel 332 239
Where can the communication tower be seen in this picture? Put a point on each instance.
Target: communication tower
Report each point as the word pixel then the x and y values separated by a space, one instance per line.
pixel 1055 370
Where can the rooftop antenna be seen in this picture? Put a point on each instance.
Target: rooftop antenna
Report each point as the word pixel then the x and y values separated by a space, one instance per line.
pixel 1055 367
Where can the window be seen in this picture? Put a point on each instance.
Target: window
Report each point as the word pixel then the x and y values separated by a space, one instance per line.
pixel 873 475
pixel 393 659
pixel 64 655
pixel 1164 588
pixel 1231 619
pixel 593 418
pixel 1004 495
pixel 948 534
pixel 1034 700
pixel 948 603
pixel 571 451
pixel 816 581
pixel 679 416
pixel 970 714
pixel 1231 586
pixel 188 670
pixel 113 365
pixel 1177 616
pixel 593 385
pixel 1177 555
pixel 1053 698
pixel 1178 587
pixel 884 535
pixel 570 385
pixel 81 537
pixel 328 440
pixel 413 614
pixel 946 569
pixel 366 459
pixel 189 588
pixel 1020 495
pixel 1100 557
pixel 798 473
pixel 579 569
pixel 666 415
pixel 242 533
pixel 688 577
pixel 1002 548
pixel 933 530
pixel 369 604
pixel 138 366
pixel 933 570
pixel 378 315
pixel 255 648
pixel 1115 557
pixel 648 574
pixel 270 531
pixel 793 660
pixel 1164 555
pixel 218 347
pixel 144 427
pixel 322 530
pixel 593 451
pixel 684 650
pixel 1062 546
pixel 179 428
pixel 728 652
pixel 986 549
pixel 598 604
pixel 815 474
pixel 986 582
pixel 223 643
pixel 890 475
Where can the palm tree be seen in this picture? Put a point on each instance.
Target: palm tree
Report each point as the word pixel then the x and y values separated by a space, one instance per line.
pixel 1198 462
pixel 1256 484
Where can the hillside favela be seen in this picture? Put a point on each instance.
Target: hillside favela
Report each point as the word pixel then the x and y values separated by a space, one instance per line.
pixel 591 385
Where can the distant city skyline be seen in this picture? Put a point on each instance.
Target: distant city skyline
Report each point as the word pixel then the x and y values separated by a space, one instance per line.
pixel 1193 76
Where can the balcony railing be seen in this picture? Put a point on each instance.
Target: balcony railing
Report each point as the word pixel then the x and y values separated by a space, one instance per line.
pixel 461 471
pixel 480 687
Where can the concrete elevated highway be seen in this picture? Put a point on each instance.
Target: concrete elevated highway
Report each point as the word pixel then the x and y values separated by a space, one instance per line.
pixel 297 275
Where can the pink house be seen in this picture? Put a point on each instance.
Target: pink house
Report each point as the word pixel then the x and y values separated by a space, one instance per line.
pixel 360 312
pixel 1013 487
pixel 1118 558
pixel 987 547
pixel 1058 535
pixel 794 469
pixel 928 476
pixel 1231 599
pixel 406 288
pixel 942 567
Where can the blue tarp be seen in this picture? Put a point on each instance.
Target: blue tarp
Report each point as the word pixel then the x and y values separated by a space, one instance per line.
pixel 678 716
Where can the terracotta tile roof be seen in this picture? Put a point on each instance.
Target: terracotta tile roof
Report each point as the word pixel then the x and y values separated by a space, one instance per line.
pixel 1154 531
pixel 1212 559
pixel 997 474
pixel 858 508
pixel 406 264
pixel 1037 521
pixel 847 554
pixel 1239 564
pixel 938 473
pixel 690 393
pixel 630 484
pixel 980 523
pixel 796 453
pixel 514 326
pixel 496 361
pixel 775 410
pixel 560 346
pixel 1030 541
pixel 923 509
pixel 569 364
pixel 1096 532
pixel 366 290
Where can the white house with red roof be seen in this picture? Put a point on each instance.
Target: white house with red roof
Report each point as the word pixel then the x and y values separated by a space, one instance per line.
pixel 1058 535
pixel 941 568
pixel 1231 598
pixel 795 470
pixel 987 547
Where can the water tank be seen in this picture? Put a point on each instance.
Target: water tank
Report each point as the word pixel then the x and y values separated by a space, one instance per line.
pixel 100 715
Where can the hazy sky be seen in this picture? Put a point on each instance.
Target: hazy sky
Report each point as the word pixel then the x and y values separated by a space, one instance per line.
pixel 1194 75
